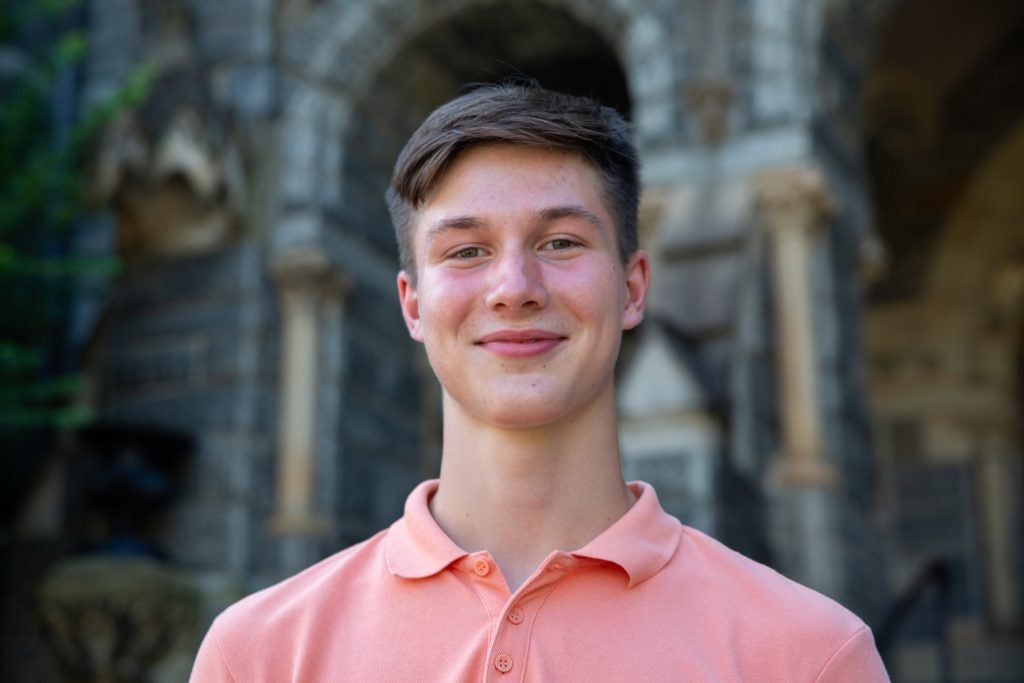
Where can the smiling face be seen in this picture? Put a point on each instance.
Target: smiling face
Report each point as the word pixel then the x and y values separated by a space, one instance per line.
pixel 521 297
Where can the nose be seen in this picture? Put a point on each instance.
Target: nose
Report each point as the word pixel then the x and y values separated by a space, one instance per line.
pixel 516 282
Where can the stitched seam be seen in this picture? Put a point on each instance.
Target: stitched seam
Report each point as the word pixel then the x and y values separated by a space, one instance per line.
pixel 533 621
pixel 220 653
pixel 835 654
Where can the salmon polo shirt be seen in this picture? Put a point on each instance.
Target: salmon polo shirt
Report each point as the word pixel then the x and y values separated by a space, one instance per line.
pixel 648 600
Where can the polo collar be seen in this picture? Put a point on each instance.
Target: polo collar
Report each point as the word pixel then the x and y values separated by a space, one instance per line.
pixel 416 546
pixel 642 541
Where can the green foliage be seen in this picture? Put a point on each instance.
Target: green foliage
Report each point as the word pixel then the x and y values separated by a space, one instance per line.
pixel 40 195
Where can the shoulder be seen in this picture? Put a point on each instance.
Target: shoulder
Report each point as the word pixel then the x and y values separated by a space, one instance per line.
pixel 795 632
pixel 758 590
pixel 276 619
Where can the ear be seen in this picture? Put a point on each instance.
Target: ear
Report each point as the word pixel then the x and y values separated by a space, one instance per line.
pixel 638 279
pixel 408 298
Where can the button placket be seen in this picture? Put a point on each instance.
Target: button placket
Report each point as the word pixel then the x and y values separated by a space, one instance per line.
pixel 509 649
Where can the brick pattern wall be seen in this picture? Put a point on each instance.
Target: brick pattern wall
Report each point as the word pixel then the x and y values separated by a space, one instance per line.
pixel 191 346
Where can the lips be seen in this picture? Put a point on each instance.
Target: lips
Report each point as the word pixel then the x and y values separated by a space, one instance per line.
pixel 520 343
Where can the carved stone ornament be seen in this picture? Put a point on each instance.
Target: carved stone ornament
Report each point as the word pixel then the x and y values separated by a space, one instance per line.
pixel 113 619
pixel 176 193
pixel 711 100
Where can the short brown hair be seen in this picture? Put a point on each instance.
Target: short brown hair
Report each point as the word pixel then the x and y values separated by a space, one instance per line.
pixel 517 114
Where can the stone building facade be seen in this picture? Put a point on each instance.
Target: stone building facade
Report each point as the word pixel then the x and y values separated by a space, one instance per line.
pixel 830 375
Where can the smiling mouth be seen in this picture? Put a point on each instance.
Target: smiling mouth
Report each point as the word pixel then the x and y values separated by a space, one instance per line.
pixel 520 343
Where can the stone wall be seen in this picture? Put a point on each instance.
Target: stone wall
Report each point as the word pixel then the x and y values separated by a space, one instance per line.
pixel 190 346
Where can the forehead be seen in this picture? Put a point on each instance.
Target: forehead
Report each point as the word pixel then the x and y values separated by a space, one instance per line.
pixel 495 178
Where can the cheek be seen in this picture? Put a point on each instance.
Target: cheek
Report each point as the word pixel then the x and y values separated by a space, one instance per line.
pixel 592 291
pixel 450 300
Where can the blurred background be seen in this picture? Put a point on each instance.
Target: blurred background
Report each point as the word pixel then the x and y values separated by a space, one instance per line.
pixel 206 384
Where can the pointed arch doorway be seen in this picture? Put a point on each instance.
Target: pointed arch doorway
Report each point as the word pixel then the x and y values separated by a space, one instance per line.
pixel 945 148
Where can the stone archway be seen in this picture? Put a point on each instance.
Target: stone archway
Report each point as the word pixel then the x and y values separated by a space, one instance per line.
pixel 478 44
pixel 946 403
pixel 943 143
pixel 338 53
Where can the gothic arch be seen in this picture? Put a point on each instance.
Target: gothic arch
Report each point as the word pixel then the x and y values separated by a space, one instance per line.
pixel 479 43
pixel 337 56
pixel 944 147
pixel 346 44
pixel 930 120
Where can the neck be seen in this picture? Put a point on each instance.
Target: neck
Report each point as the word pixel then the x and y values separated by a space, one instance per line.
pixel 522 493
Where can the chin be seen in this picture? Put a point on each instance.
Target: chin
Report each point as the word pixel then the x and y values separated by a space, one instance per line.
pixel 522 419
pixel 531 410
pixel 508 410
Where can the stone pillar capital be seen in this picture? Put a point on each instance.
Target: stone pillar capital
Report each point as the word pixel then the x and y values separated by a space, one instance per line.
pixel 308 269
pixel 796 197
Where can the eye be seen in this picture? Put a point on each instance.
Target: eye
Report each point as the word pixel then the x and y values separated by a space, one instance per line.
pixel 467 253
pixel 560 243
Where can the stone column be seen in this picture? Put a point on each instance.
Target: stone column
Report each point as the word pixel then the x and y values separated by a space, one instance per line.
pixel 999 471
pixel 305 280
pixel 793 204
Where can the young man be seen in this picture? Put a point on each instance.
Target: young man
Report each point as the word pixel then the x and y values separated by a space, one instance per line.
pixel 530 558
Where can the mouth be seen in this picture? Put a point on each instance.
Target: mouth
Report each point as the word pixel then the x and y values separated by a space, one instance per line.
pixel 520 343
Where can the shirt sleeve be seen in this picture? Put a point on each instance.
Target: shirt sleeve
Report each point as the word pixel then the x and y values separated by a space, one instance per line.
pixel 857 660
pixel 209 666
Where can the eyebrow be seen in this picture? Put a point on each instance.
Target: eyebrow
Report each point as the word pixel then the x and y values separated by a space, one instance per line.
pixel 572 211
pixel 444 225
pixel 547 215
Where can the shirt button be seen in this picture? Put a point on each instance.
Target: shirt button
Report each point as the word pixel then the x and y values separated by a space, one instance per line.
pixel 515 615
pixel 503 663
pixel 482 567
